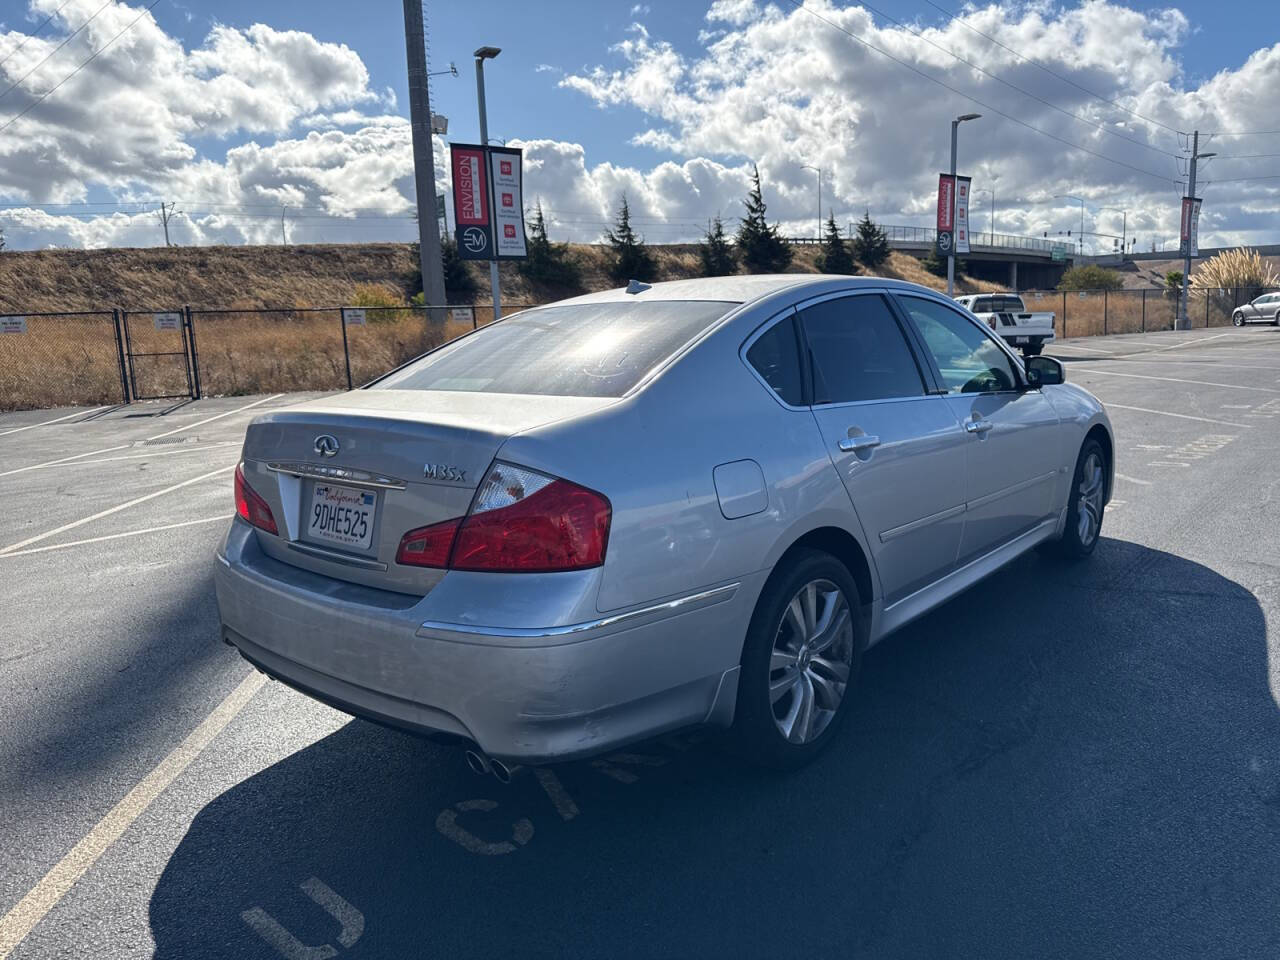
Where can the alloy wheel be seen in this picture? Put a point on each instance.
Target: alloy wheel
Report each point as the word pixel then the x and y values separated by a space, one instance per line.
pixel 1089 507
pixel 811 661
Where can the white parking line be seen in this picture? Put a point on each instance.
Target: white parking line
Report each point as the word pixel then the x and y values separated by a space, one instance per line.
pixel 1121 476
pixel 1180 416
pixel 1188 343
pixel 158 436
pixel 55 884
pixel 14 547
pixel 202 448
pixel 1203 383
pixel 45 423
pixel 117 536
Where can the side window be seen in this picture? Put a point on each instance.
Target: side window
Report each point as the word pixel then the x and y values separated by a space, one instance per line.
pixel 776 358
pixel 969 360
pixel 858 351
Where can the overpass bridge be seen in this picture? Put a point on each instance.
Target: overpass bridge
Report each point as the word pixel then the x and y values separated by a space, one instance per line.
pixel 1021 263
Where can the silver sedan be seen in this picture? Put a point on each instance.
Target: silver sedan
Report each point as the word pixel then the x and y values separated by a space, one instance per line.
pixel 1263 309
pixel 696 502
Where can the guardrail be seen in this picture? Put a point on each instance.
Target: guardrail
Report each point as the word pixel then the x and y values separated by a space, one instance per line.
pixel 927 236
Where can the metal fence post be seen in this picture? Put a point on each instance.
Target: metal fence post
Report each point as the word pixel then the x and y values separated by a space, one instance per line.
pixel 1206 308
pixel 1104 312
pixel 195 354
pixel 1064 314
pixel 346 350
pixel 124 377
pixel 1144 310
pixel 128 353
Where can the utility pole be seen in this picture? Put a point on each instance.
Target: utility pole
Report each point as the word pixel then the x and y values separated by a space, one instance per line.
pixel 284 239
pixel 1184 322
pixel 951 255
pixel 165 213
pixel 424 167
pixel 481 55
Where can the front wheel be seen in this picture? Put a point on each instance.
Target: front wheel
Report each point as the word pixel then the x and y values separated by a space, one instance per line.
pixel 1237 319
pixel 1086 505
pixel 801 655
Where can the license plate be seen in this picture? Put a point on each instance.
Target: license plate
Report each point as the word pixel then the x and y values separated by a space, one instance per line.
pixel 1020 339
pixel 341 515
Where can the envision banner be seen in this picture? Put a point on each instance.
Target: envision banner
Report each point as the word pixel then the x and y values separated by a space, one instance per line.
pixel 946 214
pixel 487 202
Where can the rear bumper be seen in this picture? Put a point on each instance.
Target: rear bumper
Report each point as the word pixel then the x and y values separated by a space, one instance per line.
pixel 523 694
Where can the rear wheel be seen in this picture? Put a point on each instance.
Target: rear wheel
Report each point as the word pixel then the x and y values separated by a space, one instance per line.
pixel 1275 321
pixel 801 655
pixel 1033 348
pixel 1086 505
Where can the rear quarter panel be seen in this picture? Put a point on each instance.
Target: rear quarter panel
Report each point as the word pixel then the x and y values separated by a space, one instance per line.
pixel 653 455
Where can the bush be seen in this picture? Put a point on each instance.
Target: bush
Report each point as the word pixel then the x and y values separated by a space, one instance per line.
pixel 762 248
pixel 871 246
pixel 1090 276
pixel 835 256
pixel 716 253
pixel 1239 269
pixel 1173 281
pixel 631 259
pixel 547 262
pixel 459 284
pixel 380 302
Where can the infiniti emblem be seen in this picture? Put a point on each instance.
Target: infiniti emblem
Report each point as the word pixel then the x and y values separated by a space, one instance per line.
pixel 326 445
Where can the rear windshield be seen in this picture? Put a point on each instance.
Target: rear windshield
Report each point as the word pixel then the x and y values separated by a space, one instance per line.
pixel 576 350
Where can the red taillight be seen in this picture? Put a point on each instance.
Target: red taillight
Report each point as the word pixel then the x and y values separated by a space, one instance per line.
pixel 521 521
pixel 428 546
pixel 252 507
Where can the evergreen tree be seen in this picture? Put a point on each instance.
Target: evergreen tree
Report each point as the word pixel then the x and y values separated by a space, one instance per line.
pixel 718 259
pixel 835 256
pixel 548 262
pixel 935 264
pixel 762 248
pixel 631 259
pixel 871 246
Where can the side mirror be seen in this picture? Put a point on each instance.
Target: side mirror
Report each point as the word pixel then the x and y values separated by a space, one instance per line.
pixel 1044 372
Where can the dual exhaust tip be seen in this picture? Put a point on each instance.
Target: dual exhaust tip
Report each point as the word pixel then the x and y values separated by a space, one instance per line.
pixel 482 765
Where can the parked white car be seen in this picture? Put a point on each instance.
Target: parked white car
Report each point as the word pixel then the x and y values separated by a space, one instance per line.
pixel 1007 315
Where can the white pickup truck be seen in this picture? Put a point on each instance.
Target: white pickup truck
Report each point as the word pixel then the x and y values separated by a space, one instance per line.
pixel 1006 314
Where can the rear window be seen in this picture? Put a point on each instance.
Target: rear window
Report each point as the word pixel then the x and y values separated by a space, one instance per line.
pixel 575 350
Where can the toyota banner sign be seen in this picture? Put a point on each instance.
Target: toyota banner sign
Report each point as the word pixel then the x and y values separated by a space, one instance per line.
pixel 961 232
pixel 488 209
pixel 1190 226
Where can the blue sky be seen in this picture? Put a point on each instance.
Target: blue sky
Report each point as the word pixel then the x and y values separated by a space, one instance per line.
pixel 668 102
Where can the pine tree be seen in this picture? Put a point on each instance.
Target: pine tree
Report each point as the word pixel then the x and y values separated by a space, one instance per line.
pixel 717 255
pixel 835 256
pixel 935 264
pixel 631 259
pixel 870 246
pixel 548 262
pixel 762 248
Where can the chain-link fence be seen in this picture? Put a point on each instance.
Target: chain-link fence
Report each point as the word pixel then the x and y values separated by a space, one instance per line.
pixel 1096 313
pixel 59 359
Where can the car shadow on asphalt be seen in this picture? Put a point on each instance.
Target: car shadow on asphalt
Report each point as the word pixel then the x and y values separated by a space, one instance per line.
pixel 1065 761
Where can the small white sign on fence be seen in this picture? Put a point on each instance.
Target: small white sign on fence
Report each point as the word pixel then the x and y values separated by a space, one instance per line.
pixel 1083 295
pixel 13 324
pixel 353 316
pixel 462 315
pixel 168 321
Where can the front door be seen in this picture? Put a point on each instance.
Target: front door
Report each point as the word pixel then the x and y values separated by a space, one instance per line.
pixel 1014 453
pixel 898 449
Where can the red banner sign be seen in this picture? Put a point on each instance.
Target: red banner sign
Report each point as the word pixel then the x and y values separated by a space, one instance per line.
pixel 471 202
pixel 946 201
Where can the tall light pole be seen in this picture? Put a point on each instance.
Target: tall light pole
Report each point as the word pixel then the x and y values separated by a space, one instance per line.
pixel 1124 227
pixel 951 255
pixel 424 165
pixel 818 170
pixel 1184 322
pixel 1067 196
pixel 481 55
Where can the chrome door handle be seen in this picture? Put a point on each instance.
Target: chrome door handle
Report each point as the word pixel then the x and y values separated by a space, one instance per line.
pixel 856 444
pixel 978 426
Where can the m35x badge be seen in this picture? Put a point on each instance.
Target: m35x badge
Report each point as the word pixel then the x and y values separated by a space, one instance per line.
pixel 444 471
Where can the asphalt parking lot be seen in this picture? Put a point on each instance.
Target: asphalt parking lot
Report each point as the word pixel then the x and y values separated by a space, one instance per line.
pixel 1064 762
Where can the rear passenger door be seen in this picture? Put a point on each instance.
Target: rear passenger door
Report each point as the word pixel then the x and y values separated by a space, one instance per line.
pixel 897 447
pixel 1014 439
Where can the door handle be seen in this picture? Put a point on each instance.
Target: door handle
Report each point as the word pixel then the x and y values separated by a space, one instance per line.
pixel 857 444
pixel 978 426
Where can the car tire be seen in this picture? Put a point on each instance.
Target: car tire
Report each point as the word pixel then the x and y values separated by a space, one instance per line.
pixel 796 677
pixel 1237 319
pixel 1086 505
pixel 1033 349
pixel 1275 321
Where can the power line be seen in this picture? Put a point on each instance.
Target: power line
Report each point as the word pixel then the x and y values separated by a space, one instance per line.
pixel 1035 63
pixel 23 42
pixel 1013 86
pixel 1247 156
pixel 1246 133
pixel 1274 176
pixel 39 100
pixel 69 38
pixel 798 4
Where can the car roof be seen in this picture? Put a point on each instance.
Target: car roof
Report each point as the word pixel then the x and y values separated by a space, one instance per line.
pixel 745 288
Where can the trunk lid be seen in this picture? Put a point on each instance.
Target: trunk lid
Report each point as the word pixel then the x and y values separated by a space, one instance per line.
pixel 368 466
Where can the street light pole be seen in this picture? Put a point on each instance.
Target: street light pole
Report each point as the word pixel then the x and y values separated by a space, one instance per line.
pixel 1067 196
pixel 951 254
pixel 1184 322
pixel 818 170
pixel 481 55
